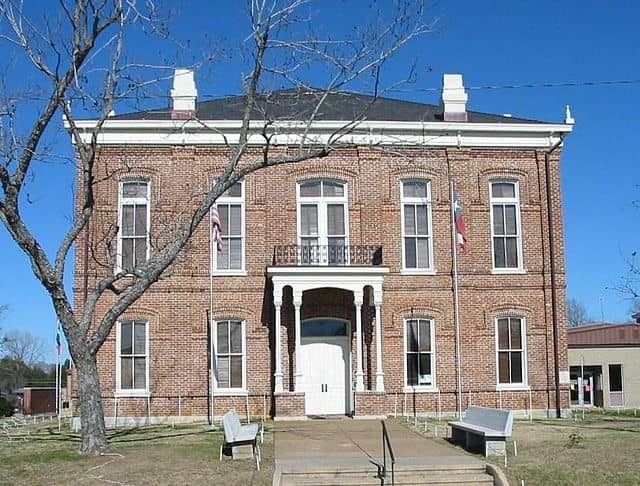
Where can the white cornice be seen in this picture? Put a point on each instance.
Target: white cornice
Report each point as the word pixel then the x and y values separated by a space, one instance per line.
pixel 221 132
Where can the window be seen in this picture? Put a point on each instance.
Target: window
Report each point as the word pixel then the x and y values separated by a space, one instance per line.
pixel 323 328
pixel 511 351
pixel 615 377
pixel 505 226
pixel 417 247
pixel 231 210
pixel 419 351
pixel 322 222
pixel 132 366
pixel 229 355
pixel 133 244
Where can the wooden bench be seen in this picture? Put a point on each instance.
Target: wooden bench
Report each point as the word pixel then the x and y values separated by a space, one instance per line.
pixel 484 429
pixel 236 434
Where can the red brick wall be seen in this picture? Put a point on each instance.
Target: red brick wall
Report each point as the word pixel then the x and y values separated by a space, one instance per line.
pixel 177 306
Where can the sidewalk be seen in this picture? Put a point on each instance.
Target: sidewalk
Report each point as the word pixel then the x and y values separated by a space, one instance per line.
pixel 357 441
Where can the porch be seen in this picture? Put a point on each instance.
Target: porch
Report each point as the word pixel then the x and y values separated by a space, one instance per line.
pixel 323 299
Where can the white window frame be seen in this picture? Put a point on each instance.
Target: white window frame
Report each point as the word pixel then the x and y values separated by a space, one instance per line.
pixel 322 203
pixel 430 269
pixel 122 201
pixel 235 200
pixel 524 385
pixel 420 388
pixel 501 201
pixel 214 352
pixel 132 392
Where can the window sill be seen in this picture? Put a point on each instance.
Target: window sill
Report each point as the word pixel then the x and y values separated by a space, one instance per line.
pixel 235 273
pixel 420 389
pixel 236 392
pixel 508 271
pixel 132 394
pixel 513 387
pixel 413 271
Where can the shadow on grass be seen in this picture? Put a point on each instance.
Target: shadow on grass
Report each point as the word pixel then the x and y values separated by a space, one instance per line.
pixel 139 434
pixel 587 426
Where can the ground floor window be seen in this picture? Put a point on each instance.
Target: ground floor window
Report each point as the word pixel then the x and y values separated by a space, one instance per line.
pixel 511 351
pixel 229 355
pixel 419 352
pixel 132 361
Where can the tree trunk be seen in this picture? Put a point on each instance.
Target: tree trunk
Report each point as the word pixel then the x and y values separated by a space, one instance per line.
pixel 94 434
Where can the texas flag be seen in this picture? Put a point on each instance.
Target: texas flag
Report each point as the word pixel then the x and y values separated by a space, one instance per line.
pixel 461 231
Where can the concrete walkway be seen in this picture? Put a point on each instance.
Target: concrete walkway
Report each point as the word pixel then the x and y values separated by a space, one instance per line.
pixel 348 441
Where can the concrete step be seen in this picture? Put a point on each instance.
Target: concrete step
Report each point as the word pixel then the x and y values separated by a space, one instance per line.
pixel 352 479
pixel 405 476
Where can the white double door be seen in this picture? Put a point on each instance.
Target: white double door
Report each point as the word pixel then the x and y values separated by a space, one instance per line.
pixel 326 375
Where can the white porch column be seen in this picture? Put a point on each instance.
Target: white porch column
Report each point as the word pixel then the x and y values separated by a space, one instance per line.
pixel 277 302
pixel 297 303
pixel 357 300
pixel 379 372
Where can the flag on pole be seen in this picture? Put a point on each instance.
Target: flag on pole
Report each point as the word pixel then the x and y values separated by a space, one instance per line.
pixel 216 227
pixel 58 345
pixel 461 231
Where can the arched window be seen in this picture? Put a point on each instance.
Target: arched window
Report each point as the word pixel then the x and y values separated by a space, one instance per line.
pixel 323 228
pixel 229 355
pixel 420 362
pixel 511 351
pixel 230 207
pixel 417 241
pixel 506 235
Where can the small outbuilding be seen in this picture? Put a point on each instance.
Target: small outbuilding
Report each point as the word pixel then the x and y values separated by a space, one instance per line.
pixel 604 360
pixel 37 400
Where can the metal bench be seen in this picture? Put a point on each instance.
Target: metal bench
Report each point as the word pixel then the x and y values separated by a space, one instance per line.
pixel 484 428
pixel 236 434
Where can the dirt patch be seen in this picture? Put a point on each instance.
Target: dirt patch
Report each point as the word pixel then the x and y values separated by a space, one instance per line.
pixel 142 456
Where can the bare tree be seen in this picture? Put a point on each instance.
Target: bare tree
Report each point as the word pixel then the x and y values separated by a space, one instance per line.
pixel 3 338
pixel 576 313
pixel 80 54
pixel 25 347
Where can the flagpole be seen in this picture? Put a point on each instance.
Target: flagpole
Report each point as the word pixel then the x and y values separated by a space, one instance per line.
pixel 456 302
pixel 57 369
pixel 210 337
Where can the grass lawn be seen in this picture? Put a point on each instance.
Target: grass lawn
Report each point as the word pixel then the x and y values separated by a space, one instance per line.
pixel 602 449
pixel 140 456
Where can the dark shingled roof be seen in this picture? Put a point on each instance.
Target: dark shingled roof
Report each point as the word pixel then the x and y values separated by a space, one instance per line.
pixel 340 106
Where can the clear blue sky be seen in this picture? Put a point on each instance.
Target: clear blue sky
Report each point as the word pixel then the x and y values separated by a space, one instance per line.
pixel 492 43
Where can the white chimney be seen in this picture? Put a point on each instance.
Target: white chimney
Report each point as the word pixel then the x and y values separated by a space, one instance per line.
pixel 454 98
pixel 184 93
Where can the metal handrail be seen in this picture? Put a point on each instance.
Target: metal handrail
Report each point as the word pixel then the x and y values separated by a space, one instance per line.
pixel 386 445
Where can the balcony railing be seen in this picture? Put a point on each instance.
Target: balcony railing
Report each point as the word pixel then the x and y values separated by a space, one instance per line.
pixel 327 255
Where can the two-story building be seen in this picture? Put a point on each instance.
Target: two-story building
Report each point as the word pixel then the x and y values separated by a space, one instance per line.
pixel 337 290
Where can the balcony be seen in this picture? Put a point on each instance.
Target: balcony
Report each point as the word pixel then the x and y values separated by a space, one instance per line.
pixel 327 255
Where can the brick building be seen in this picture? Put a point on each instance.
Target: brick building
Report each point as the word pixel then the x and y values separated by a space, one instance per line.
pixel 334 291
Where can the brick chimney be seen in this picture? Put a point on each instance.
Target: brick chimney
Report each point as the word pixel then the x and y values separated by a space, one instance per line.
pixel 454 98
pixel 183 95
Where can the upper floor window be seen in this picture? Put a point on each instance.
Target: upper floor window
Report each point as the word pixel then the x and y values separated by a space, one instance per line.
pixel 511 351
pixel 417 247
pixel 229 355
pixel 231 211
pixel 322 221
pixel 132 365
pixel 505 226
pixel 133 241
pixel 419 353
